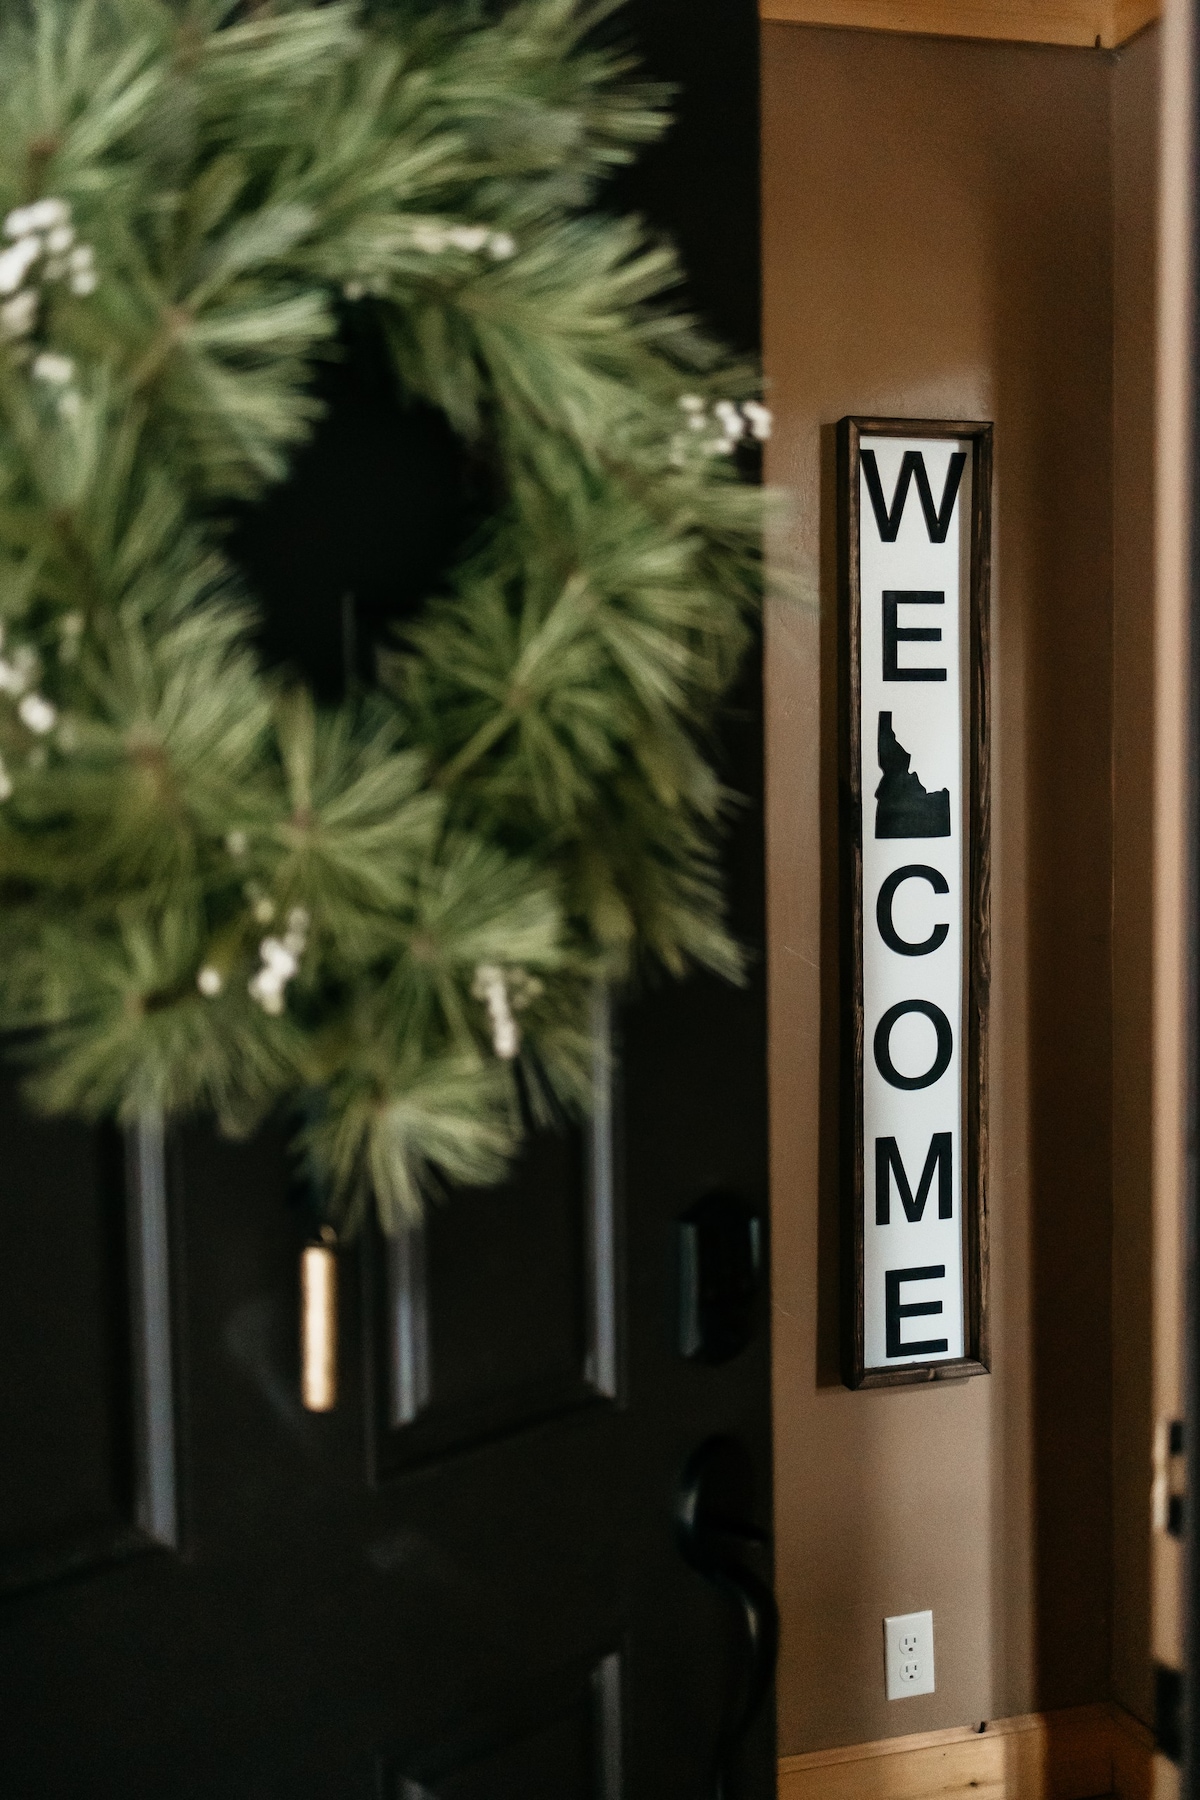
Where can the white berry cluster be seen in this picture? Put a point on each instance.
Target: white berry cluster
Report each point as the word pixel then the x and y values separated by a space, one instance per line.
pixel 280 962
pixel 434 239
pixel 727 422
pixel 474 239
pixel 57 373
pixel 43 250
pixel 505 992
pixel 280 959
pixel 19 671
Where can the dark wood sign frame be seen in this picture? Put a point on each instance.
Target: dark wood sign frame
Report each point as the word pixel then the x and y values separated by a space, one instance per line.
pixel 976 908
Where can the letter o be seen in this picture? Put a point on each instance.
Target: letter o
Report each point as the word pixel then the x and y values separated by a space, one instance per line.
pixel 883 910
pixel 883 1044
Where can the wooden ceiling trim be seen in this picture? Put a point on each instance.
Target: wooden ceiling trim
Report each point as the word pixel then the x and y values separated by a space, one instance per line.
pixel 1087 23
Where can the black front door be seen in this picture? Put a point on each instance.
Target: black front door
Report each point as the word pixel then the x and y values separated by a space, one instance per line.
pixel 525 1556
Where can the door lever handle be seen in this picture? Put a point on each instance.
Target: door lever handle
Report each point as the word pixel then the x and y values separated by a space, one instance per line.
pixel 715 1524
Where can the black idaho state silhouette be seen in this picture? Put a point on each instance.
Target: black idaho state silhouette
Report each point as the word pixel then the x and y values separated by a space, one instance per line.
pixel 904 809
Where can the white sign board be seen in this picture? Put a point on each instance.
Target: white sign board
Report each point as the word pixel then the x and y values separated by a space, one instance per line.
pixel 914 774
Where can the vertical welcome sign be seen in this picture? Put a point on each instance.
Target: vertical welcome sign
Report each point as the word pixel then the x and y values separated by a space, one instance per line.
pixel 914 519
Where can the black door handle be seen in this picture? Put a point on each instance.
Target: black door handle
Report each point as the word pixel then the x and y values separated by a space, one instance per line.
pixel 715 1513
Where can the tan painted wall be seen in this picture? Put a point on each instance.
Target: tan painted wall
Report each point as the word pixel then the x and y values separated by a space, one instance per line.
pixel 1135 250
pixel 938 241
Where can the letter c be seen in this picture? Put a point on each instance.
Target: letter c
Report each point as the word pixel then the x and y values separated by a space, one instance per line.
pixel 883 910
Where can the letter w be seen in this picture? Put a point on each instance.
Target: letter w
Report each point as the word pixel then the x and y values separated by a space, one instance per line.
pixel 937 519
pixel 889 1162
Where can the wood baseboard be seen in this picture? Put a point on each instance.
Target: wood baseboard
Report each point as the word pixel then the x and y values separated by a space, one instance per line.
pixel 1083 1753
pixel 1084 23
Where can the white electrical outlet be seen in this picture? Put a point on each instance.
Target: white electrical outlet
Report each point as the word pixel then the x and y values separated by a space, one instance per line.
pixel 908 1655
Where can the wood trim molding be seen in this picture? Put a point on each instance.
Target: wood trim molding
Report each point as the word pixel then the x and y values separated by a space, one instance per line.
pixel 1078 1754
pixel 1099 24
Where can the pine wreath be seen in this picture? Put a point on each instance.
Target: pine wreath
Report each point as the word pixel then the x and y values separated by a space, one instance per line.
pixel 390 915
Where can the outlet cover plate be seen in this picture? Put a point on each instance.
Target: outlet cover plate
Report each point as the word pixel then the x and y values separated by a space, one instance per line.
pixel 908 1655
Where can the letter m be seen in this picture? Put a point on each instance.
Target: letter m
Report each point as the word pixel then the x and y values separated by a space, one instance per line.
pixel 889 1162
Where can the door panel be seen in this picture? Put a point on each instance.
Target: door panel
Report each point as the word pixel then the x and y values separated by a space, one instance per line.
pixel 500 1309
pixel 66 1402
pixel 86 1415
pixel 561 1744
